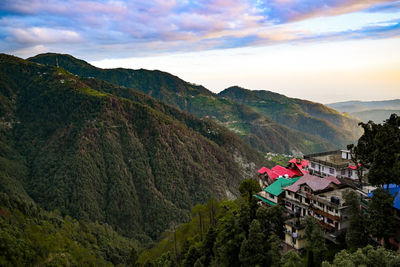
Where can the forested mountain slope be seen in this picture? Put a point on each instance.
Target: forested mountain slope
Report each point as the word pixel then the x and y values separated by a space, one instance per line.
pixel 306 116
pixel 136 164
pixel 257 130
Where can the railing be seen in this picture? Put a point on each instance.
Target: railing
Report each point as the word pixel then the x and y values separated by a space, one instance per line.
pixel 311 157
pixel 323 154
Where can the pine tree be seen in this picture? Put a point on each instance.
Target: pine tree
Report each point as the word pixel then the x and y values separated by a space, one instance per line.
pixel 252 249
pixel 356 235
pixel 381 220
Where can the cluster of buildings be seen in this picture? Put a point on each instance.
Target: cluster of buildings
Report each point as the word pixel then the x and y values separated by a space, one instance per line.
pixel 313 186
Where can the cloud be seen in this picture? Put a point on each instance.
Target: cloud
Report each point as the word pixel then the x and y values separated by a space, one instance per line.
pixel 40 35
pixel 140 27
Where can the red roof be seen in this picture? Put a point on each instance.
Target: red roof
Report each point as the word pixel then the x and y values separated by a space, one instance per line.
pixel 263 170
pixel 303 163
pixel 300 166
pixel 314 182
pixel 281 171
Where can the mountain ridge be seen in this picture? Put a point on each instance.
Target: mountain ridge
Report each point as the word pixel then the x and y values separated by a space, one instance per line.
pixel 260 132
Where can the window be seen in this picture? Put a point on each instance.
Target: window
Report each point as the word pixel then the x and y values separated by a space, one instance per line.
pixel 296 196
pixel 331 170
pixel 307 201
pixel 323 168
pixel 329 208
pixel 289 194
pixel 329 220
pixel 272 196
pixel 313 165
pixel 343 172
pixel 350 173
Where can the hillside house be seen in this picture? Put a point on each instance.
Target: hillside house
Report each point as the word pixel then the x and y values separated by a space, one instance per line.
pixel 333 163
pixel 274 193
pixel 322 198
pixel 295 233
pixel 295 168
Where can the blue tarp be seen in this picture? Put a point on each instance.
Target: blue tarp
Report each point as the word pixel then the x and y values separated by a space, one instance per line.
pixel 394 190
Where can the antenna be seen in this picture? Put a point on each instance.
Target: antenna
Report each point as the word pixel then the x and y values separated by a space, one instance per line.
pixel 57 61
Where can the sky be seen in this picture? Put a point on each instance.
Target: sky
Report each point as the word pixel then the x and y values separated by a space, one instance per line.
pixel 320 50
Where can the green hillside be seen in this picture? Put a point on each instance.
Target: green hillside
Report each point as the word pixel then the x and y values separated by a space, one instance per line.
pixel 135 164
pixel 260 132
pixel 30 236
pixel 305 116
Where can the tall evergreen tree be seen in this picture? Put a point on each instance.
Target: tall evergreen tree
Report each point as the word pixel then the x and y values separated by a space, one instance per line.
pixel 252 249
pixel 356 235
pixel 381 220
pixel 378 150
pixel 315 245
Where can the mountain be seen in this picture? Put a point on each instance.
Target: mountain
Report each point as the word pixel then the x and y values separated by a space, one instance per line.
pixel 376 115
pixel 377 111
pixel 137 164
pixel 259 131
pixel 305 116
pixel 357 106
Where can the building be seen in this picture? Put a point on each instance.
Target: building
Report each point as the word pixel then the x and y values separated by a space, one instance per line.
pixel 295 233
pixel 274 193
pixel 333 163
pixel 321 198
pixel 295 168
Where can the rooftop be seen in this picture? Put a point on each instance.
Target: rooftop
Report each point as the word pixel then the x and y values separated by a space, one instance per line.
pixel 331 158
pixel 314 182
pixel 339 193
pixel 276 188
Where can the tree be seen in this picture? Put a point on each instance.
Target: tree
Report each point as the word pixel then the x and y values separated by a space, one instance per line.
pixel 367 256
pixel 248 187
pixel 315 245
pixel 291 259
pixel 192 256
pixel 378 150
pixel 274 253
pixel 133 257
pixel 229 238
pixel 381 220
pixel 165 260
pixel 207 247
pixel 356 235
pixel 252 251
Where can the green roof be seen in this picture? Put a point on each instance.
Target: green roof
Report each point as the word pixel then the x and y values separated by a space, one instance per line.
pixel 276 188
pixel 264 199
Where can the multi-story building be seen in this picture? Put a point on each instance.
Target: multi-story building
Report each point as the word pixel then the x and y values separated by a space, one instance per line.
pixel 295 233
pixel 333 163
pixel 321 198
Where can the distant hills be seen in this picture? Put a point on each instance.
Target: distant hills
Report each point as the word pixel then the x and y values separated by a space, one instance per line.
pixel 302 115
pixel 100 152
pixel 377 111
pixel 266 121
